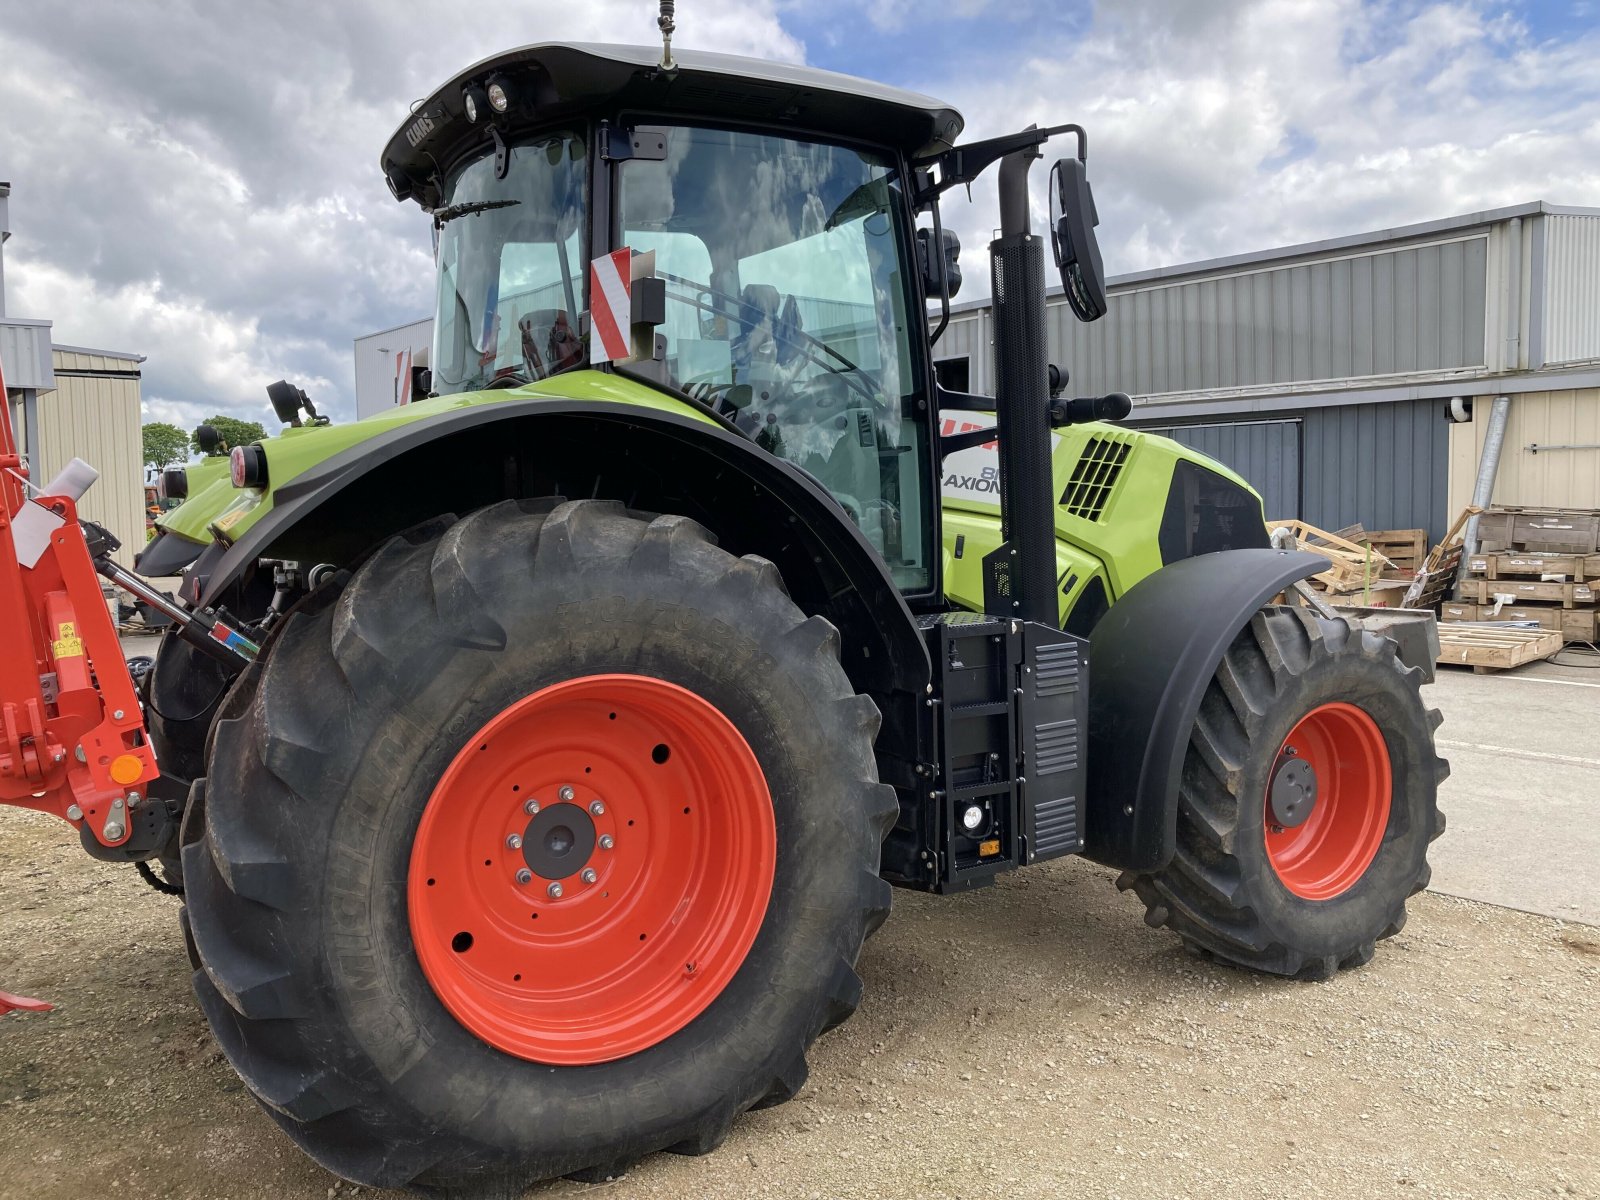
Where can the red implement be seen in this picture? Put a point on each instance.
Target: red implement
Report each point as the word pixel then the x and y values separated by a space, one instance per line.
pixel 10 1003
pixel 72 737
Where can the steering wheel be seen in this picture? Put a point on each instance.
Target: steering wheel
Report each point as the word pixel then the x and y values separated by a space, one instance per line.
pixel 805 343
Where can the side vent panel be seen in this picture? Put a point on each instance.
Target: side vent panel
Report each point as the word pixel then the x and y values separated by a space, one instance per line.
pixel 1095 477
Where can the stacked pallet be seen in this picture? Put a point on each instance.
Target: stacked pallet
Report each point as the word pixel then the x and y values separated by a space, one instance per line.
pixel 1534 565
pixel 1353 568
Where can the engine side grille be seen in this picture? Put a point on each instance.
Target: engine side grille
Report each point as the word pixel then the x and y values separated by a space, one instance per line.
pixel 1095 477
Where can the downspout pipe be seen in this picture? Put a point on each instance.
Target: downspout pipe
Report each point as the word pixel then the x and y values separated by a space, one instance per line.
pixel 1022 403
pixel 1488 467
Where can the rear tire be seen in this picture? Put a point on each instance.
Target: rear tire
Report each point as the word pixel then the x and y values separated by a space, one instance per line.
pixel 298 908
pixel 1301 910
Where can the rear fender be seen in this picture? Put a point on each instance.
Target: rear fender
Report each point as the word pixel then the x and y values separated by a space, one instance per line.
pixel 1153 656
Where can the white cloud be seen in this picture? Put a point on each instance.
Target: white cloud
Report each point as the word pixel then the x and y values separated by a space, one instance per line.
pixel 1225 127
pixel 199 184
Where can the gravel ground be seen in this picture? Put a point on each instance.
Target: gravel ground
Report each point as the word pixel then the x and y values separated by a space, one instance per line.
pixel 1033 1040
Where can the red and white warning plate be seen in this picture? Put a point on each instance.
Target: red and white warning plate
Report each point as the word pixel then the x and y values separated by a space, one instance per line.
pixel 610 305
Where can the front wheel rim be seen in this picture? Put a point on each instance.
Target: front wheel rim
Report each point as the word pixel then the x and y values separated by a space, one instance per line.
pixel 592 869
pixel 1327 854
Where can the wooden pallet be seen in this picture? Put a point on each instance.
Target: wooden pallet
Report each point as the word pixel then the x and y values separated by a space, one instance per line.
pixel 1352 566
pixel 1438 573
pixel 1495 647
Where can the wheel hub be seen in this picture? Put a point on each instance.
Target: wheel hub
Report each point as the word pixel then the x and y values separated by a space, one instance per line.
pixel 592 869
pixel 1294 790
pixel 1327 803
pixel 558 841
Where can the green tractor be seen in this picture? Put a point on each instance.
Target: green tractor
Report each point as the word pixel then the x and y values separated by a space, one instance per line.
pixel 571 726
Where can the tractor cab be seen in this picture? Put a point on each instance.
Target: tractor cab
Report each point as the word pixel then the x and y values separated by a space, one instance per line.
pixel 773 208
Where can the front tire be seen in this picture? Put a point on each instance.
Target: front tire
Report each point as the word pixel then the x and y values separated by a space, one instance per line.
pixel 330 795
pixel 1287 872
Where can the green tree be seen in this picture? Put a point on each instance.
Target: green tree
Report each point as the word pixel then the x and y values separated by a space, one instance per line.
pixel 164 445
pixel 234 432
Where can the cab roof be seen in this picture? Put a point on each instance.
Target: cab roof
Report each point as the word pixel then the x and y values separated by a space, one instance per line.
pixel 555 80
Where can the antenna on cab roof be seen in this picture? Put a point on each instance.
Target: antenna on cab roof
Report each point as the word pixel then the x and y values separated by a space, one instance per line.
pixel 667 24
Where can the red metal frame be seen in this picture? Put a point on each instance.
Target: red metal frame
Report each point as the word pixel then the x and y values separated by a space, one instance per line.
pixel 77 751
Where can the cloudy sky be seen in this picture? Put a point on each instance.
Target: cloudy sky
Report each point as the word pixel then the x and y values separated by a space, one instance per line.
pixel 196 180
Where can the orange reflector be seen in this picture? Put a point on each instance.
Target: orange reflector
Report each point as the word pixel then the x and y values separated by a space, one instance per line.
pixel 126 768
pixel 989 848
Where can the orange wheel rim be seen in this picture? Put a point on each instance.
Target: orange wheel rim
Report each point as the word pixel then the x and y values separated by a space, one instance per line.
pixel 592 869
pixel 1332 775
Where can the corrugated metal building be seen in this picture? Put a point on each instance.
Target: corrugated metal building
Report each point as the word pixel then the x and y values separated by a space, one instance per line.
pixel 1325 372
pixel 377 376
pixel 93 414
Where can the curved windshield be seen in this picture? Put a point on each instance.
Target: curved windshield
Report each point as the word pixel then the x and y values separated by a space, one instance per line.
pixel 787 310
pixel 510 268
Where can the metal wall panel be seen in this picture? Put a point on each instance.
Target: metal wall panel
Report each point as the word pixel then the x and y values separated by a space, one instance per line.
pixel 1420 308
pixel 1266 453
pixel 1572 289
pixel 97 420
pixel 1548 478
pixel 375 363
pixel 1385 466
pixel 25 355
pixel 967 336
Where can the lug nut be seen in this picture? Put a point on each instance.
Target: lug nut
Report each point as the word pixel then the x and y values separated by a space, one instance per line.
pixel 514 842
pixel 607 841
pixel 589 875
pixel 531 807
pixel 597 808
pixel 566 793
pixel 554 891
pixel 524 876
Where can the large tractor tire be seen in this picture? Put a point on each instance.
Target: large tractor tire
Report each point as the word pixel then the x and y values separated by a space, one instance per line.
pixel 1308 799
pixel 549 843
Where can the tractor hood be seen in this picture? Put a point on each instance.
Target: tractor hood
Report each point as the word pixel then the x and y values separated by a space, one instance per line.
pixel 216 509
pixel 553 82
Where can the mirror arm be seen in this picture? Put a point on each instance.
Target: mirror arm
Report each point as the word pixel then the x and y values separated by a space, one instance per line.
pixel 964 401
pixel 954 443
pixel 963 164
pixel 944 276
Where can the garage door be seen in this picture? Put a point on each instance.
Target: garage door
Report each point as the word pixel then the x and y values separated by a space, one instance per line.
pixel 1266 453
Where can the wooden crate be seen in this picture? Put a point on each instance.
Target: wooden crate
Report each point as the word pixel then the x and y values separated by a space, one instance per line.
pixel 1578 567
pixel 1494 531
pixel 1406 549
pixel 1580 624
pixel 1547 616
pixel 1453 610
pixel 1556 532
pixel 1495 648
pixel 1568 595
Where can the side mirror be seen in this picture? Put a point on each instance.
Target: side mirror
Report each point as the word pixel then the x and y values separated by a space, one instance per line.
pixel 1072 222
pixel 939 263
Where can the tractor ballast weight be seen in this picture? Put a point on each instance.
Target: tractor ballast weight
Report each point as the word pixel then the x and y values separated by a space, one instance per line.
pixel 602 695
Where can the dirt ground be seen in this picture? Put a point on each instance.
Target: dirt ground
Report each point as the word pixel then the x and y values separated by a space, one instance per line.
pixel 1034 1040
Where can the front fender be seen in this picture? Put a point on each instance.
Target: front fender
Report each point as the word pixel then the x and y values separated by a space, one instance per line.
pixel 1153 656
